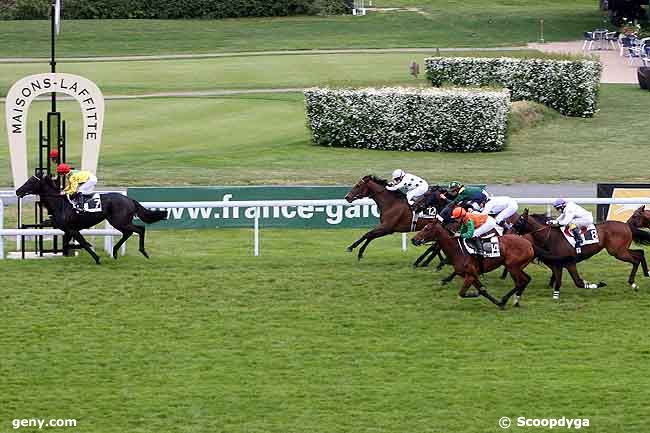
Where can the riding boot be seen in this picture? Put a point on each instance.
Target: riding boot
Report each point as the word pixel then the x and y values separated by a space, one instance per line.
pixel 578 238
pixel 79 198
pixel 476 244
pixel 446 214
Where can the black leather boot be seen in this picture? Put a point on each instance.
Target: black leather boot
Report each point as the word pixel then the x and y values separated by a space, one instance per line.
pixel 578 238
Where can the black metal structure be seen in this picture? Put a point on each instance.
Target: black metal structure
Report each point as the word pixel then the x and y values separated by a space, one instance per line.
pixel 53 138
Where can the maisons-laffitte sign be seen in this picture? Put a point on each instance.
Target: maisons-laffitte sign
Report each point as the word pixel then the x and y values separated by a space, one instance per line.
pixel 21 95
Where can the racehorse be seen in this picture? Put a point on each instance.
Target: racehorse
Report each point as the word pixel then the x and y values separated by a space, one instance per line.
pixel 395 214
pixel 118 209
pixel 435 198
pixel 614 236
pixel 516 254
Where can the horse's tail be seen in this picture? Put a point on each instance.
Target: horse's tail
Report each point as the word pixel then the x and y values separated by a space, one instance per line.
pixel 149 216
pixel 640 236
pixel 549 257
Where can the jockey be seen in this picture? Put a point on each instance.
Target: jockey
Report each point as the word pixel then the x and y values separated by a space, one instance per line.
pixel 574 217
pixel 473 225
pixel 78 183
pixel 461 195
pixel 503 207
pixel 414 185
pixel 474 195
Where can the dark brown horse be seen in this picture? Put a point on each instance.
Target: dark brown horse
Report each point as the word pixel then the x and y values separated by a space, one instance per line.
pixel 395 214
pixel 516 254
pixel 613 236
pixel 434 198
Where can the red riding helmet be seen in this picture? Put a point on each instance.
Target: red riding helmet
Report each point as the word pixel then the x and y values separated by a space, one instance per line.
pixel 458 212
pixel 63 169
pixel 54 153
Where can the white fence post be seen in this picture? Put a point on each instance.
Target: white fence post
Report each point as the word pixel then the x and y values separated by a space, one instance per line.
pixel 19 239
pixel 108 240
pixel 404 242
pixel 2 225
pixel 256 228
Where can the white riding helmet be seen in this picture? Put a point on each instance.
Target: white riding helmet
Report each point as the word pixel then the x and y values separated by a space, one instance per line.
pixel 398 174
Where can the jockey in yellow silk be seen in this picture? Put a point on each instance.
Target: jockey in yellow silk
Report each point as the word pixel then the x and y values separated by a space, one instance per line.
pixel 78 182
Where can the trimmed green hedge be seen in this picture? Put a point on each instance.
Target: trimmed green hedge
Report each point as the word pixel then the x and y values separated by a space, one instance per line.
pixel 412 119
pixel 568 86
pixel 170 9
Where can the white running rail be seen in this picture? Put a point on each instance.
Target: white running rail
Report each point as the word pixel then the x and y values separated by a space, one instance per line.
pixel 259 204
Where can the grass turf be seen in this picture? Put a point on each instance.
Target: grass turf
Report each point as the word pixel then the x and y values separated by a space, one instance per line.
pixel 263 140
pixel 205 337
pixel 473 23
pixel 246 72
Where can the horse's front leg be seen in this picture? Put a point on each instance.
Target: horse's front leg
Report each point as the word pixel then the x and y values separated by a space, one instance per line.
pixel 356 243
pixel 372 234
pixel 469 280
pixel 429 254
pixel 448 279
pixel 85 245
pixel 482 291
pixel 66 244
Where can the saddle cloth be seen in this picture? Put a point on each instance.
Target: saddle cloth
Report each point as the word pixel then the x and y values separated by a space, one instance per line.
pixel 90 203
pixel 428 213
pixel 490 244
pixel 589 235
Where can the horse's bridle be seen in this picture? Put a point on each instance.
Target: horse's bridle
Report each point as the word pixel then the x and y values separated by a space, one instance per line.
pixel 371 192
pixel 548 234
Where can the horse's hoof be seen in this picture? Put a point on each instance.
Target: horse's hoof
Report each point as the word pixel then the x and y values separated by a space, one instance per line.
pixel 348 250
pixel 144 253
pixel 634 286
pixel 602 284
pixel 556 295
pixel 516 304
pixel 502 305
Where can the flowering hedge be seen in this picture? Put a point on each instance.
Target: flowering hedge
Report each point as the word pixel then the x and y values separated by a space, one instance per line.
pixel 170 9
pixel 569 86
pixel 455 120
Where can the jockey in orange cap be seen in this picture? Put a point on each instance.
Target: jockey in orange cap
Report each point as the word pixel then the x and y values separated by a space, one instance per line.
pixel 473 225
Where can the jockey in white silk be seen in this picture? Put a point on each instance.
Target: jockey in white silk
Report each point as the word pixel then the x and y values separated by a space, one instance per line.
pixel 502 208
pixel 574 217
pixel 414 186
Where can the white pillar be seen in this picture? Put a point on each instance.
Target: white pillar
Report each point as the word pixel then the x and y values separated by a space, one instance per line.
pixel 2 225
pixel 108 240
pixel 256 229
pixel 404 238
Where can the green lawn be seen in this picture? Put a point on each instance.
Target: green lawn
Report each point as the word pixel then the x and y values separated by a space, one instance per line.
pixel 263 140
pixel 249 72
pixel 472 23
pixel 206 338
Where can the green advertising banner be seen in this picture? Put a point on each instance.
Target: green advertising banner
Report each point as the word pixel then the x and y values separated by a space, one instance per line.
pixel 270 216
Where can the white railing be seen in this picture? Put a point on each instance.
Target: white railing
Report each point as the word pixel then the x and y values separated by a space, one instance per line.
pixel 260 204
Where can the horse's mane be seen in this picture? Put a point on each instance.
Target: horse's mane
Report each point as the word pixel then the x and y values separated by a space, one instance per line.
pixel 380 181
pixel 384 182
pixel 539 217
